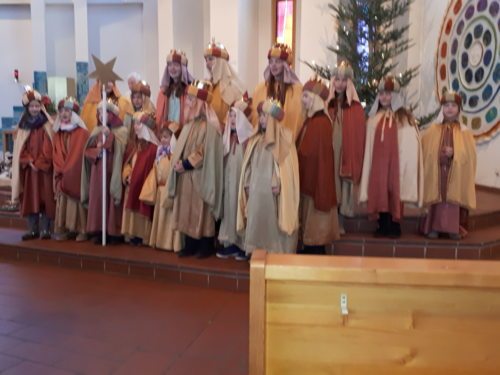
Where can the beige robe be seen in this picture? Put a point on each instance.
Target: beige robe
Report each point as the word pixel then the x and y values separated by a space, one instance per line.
pixel 197 193
pixel 163 235
pixel 347 192
pixel 228 234
pixel 461 187
pixel 70 215
pixel 318 227
pixel 270 221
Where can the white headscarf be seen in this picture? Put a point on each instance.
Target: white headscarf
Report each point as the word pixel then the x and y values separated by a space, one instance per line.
pixel 244 129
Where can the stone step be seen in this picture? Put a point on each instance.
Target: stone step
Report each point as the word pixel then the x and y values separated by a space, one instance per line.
pixel 480 244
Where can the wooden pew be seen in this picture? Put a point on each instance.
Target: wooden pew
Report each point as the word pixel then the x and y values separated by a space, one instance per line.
pixel 313 315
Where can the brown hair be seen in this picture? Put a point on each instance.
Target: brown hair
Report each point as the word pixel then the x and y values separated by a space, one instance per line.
pixel 280 93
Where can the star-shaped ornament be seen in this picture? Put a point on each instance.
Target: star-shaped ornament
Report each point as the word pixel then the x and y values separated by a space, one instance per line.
pixel 104 72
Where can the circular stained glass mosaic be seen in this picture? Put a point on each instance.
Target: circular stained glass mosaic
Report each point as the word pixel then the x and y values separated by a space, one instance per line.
pixel 468 62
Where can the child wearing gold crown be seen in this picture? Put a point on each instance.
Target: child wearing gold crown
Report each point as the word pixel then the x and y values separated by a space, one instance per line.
pixel 318 201
pixel 268 197
pixel 349 131
pixel 449 172
pixel 32 170
pixel 92 174
pixel 195 182
pixel 281 84
pixel 137 215
pixel 392 167
pixel 70 137
pixel 163 235
pixel 172 95
pixel 226 86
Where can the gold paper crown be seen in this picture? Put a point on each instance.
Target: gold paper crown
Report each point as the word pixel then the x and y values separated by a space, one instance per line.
pixel 31 95
pixel 282 52
pixel 141 87
pixel 273 108
pixel 70 103
pixel 201 90
pixel 244 104
pixel 343 70
pixel 451 97
pixel 389 83
pixel 177 56
pixel 316 86
pixel 216 50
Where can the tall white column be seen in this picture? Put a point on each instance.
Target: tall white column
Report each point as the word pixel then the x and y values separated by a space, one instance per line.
pixel 38 35
pixel 165 34
pixel 81 31
pixel 150 25
pixel 224 27
pixel 39 46
pixel 248 67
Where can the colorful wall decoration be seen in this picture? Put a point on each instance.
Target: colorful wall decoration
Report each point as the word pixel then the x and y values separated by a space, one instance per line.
pixel 468 62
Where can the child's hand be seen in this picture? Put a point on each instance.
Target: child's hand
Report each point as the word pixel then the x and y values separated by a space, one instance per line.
pixel 179 168
pixel 33 167
pixel 448 151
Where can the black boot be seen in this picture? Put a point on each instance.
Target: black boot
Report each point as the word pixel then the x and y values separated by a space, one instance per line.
pixel 206 248
pixel 45 224
pixel 33 232
pixel 384 220
pixel 190 247
pixel 314 250
pixel 395 229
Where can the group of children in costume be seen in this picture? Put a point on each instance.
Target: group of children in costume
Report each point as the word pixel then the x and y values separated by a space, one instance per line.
pixel 288 165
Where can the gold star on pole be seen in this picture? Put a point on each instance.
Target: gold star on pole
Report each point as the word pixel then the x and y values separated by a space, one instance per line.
pixel 104 72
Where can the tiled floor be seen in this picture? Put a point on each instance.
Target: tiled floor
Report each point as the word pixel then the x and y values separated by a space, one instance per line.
pixel 62 321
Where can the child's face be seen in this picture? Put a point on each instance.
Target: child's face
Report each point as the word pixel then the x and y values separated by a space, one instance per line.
pixel 137 100
pixel 340 84
pixel 263 120
pixel 450 110
pixel 165 138
pixel 210 62
pixel 385 98
pixel 109 87
pixel 174 70
pixel 232 119
pixel 307 100
pixel 276 66
pixel 65 114
pixel 131 82
pixel 190 101
pixel 34 108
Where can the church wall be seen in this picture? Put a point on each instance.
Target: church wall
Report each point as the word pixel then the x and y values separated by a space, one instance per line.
pixel 15 44
pixel 60 34
pixel 147 31
pixel 116 30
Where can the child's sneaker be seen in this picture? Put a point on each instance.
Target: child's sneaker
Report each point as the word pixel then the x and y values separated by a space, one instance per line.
pixel 241 256
pixel 227 252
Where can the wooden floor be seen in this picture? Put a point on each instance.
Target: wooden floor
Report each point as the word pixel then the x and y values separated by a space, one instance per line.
pixel 60 321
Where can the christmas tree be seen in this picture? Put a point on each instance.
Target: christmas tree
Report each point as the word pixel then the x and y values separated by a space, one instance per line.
pixel 370 40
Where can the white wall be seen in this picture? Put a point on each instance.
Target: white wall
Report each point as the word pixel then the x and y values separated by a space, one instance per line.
pixel 60 34
pixel 189 29
pixel 315 32
pixel 424 31
pixel 15 44
pixel 116 30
